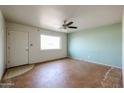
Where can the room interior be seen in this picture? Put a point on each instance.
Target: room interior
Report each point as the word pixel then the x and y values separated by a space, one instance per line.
pixel 61 46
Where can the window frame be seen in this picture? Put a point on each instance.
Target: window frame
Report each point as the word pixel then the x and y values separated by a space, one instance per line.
pixel 50 36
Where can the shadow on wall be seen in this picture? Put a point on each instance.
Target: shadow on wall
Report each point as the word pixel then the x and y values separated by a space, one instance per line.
pixel 2 45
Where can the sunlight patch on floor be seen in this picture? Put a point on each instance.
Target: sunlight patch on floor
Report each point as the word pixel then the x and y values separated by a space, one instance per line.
pixel 16 71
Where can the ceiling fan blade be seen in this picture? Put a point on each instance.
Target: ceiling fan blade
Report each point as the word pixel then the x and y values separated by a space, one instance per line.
pixel 69 23
pixel 74 27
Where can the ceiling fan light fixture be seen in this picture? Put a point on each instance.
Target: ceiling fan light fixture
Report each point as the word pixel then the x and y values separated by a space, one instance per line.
pixel 68 25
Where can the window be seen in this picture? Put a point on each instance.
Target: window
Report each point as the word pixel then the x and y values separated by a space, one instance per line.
pixel 50 42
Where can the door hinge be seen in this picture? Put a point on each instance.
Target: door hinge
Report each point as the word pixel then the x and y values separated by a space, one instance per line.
pixel 8 47
pixel 8 61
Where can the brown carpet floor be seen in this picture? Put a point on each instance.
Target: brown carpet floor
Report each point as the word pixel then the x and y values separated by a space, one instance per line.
pixel 67 73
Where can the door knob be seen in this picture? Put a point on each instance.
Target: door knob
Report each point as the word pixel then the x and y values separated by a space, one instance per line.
pixel 31 44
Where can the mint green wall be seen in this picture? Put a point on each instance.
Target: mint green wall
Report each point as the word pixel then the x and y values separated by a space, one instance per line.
pixel 101 44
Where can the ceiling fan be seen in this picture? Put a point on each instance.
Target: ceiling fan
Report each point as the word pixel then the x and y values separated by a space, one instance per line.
pixel 68 25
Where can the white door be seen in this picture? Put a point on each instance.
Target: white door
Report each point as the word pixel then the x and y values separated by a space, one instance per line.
pixel 17 48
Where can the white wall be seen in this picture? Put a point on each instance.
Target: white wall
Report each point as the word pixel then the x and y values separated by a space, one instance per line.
pixel 35 54
pixel 2 45
pixel 123 46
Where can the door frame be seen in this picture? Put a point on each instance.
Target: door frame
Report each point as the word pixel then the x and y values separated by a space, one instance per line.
pixel 7 44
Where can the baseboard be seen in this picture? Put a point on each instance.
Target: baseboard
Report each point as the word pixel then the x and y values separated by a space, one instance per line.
pixel 90 61
pixel 49 60
pixel 99 63
pixel 40 62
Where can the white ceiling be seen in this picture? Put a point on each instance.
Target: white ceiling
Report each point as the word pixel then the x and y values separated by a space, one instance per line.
pixel 52 17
